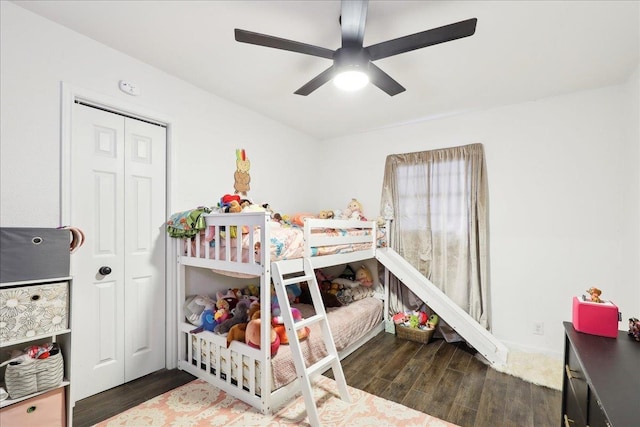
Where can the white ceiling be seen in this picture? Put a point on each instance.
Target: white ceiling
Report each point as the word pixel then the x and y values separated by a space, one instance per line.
pixel 521 51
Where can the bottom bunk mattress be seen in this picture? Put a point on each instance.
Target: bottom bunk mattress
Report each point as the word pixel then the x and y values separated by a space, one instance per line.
pixel 348 324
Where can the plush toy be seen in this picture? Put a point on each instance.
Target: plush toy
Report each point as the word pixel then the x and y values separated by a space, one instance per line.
pixel 239 316
pixel 227 301
pixel 225 305
pixel 363 275
pixel 433 321
pixel 354 211
pixel 238 332
pixel 234 207
pixel 634 328
pixel 400 317
pixel 325 215
pixel 414 320
pixel 252 334
pixel 595 294
pixel 293 294
pixel 299 218
pixel 278 325
pixel 195 306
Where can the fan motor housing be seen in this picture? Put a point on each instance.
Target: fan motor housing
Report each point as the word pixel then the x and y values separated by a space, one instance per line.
pixel 351 57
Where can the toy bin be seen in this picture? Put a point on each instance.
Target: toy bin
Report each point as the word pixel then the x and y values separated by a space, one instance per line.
pixel 596 318
pixel 33 254
pixel 414 334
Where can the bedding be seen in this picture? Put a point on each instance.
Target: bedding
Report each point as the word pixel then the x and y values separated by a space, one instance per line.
pixel 285 242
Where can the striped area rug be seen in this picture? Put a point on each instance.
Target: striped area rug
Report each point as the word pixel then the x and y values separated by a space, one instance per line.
pixel 200 404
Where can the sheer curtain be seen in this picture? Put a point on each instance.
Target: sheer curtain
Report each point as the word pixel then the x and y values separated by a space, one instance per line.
pixel 439 204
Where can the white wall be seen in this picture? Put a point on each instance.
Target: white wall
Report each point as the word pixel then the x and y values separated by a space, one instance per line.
pixel 564 195
pixel 37 54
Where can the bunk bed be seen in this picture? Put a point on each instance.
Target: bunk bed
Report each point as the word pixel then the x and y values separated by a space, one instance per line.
pixel 245 245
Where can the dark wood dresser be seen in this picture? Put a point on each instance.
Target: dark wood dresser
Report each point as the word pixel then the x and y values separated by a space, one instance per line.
pixel 601 385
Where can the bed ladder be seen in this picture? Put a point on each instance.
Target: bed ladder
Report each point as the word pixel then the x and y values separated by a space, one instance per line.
pixel 304 373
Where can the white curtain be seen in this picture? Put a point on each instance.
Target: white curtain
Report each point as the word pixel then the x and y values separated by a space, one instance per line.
pixel 439 203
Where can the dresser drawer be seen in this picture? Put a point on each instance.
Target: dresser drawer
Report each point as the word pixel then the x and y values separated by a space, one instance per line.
pixel 33 310
pixel 578 387
pixel 596 414
pixel 47 409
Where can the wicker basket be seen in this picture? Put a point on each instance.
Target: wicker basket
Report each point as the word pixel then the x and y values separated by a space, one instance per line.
pixel 415 334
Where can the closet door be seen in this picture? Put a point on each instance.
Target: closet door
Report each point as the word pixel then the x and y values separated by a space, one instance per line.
pixel 118 198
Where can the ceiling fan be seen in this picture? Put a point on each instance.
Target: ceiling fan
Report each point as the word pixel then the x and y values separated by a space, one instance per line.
pixel 352 59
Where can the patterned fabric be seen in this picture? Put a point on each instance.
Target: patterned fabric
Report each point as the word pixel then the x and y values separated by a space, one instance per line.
pixel 31 311
pixel 37 375
pixel 187 223
pixel 200 404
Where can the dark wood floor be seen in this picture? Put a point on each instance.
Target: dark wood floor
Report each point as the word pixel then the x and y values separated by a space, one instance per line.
pixel 101 406
pixel 440 379
pixel 448 382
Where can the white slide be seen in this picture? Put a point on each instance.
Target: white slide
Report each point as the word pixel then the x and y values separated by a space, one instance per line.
pixel 467 327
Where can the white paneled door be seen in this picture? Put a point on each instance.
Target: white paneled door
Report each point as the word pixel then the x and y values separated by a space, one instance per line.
pixel 118 197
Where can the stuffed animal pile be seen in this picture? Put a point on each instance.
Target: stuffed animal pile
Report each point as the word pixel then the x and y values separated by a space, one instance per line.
pixel 416 319
pixel 236 314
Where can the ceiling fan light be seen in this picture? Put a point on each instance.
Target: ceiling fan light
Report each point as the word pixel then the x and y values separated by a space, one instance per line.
pixel 351 80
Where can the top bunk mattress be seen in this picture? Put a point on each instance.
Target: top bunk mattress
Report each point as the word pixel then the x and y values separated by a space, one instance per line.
pixel 230 239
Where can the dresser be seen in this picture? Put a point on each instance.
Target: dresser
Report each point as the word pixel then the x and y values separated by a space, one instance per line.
pixel 601 385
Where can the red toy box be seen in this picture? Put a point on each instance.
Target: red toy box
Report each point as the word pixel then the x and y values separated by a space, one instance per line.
pixel 596 318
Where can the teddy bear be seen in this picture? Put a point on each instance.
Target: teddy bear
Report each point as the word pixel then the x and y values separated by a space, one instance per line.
pixel 595 294
pixel 252 334
pixel 326 215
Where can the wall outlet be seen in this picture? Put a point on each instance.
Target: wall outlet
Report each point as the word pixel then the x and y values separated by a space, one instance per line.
pixel 538 328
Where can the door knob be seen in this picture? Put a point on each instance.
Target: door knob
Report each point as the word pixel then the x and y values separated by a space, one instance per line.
pixel 105 270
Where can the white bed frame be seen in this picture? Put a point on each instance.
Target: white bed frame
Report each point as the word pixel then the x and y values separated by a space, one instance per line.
pixel 240 370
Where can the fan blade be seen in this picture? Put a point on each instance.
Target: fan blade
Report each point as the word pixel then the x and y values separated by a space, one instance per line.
pixel 384 81
pixel 431 37
pixel 353 17
pixel 284 44
pixel 316 82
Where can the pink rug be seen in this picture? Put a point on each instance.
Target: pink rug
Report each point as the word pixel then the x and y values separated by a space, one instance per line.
pixel 200 404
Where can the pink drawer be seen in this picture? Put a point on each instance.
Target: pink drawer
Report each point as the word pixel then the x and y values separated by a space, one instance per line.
pixel 47 409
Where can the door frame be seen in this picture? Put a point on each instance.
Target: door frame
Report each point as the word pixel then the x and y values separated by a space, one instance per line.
pixel 69 95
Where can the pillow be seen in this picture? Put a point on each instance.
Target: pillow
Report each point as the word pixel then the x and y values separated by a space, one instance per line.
pixel 361 292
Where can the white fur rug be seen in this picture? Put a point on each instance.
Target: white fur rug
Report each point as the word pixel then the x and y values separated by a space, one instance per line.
pixel 535 368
